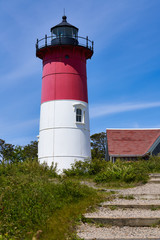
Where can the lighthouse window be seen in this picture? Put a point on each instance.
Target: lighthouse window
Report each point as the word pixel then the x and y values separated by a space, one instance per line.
pixel 78 115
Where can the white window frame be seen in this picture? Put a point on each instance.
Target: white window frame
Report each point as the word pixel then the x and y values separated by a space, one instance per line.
pixel 79 115
pixel 82 107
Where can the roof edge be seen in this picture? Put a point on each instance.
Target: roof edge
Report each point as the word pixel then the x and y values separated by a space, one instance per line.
pixel 154 144
pixel 132 128
pixel 136 155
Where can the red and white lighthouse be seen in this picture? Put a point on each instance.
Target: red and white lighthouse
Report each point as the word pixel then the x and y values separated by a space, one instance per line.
pixel 64 134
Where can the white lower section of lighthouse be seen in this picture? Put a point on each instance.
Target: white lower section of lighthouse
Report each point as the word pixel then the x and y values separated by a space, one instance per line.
pixel 64 135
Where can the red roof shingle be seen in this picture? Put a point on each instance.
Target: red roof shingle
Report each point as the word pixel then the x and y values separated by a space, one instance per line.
pixel 125 142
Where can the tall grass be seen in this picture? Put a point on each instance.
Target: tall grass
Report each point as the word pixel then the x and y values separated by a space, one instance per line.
pixel 33 200
pixel 122 171
pixel 36 203
pixel 87 168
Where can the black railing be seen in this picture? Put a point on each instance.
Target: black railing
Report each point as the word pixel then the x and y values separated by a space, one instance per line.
pixel 62 40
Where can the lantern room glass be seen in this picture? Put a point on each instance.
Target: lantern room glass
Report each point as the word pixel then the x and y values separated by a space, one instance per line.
pixel 65 32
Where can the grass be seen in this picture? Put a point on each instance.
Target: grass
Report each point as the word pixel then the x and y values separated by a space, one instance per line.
pixel 113 207
pixel 153 208
pixel 117 185
pixel 65 220
pixel 101 186
pixel 120 174
pixel 35 203
pixel 127 197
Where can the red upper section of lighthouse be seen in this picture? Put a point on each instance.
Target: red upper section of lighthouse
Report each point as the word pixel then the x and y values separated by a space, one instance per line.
pixel 64 75
pixel 64 64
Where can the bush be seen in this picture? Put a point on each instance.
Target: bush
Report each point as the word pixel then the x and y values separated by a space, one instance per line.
pixel 79 168
pixel 136 171
pixel 86 168
pixel 27 167
pixel 153 164
pixel 122 171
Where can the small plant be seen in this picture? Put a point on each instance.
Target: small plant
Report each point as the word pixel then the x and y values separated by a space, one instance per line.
pixel 127 197
pixel 153 208
pixel 157 224
pixel 112 207
pixel 86 220
pixel 99 225
pixel 112 192
pixel 77 238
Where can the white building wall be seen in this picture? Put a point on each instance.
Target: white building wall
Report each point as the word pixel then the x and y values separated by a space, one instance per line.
pixel 61 139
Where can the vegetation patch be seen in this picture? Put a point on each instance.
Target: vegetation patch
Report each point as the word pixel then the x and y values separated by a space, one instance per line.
pixel 127 197
pixel 118 174
pixel 36 203
pixel 112 207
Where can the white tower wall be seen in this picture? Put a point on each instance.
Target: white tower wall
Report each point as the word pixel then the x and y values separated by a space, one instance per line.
pixel 62 139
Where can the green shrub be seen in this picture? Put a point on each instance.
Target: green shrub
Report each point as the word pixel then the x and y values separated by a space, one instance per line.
pixel 27 167
pixel 86 168
pixel 96 166
pixel 153 164
pixel 79 168
pixel 131 171
pixel 122 171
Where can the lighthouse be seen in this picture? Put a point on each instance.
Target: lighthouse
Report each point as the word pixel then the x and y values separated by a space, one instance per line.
pixel 64 133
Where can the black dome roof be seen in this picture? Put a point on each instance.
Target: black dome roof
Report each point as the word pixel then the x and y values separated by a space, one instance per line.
pixel 64 23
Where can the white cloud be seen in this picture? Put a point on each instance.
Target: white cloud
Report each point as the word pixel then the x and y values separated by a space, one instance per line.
pixel 108 109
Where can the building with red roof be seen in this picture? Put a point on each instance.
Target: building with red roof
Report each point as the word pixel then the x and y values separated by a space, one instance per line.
pixel 130 144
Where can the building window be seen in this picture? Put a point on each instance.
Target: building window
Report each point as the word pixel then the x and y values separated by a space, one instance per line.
pixel 78 115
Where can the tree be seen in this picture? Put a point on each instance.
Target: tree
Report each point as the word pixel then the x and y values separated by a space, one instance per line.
pixel 12 154
pixel 98 145
pixel 6 151
pixel 30 151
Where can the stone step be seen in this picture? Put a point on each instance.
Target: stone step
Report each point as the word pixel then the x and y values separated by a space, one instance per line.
pixel 121 238
pixel 140 206
pixel 124 221
pixel 95 232
pixel 154 180
pixel 134 217
pixel 145 196
pixel 155 175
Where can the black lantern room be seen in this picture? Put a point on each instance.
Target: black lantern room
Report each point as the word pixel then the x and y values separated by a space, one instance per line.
pixel 64 33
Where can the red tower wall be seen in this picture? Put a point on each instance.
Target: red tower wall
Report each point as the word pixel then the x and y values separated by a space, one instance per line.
pixel 64 74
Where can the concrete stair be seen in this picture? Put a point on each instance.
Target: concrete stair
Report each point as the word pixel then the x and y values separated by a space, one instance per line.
pixel 121 239
pixel 125 221
pixel 154 175
pixel 147 196
pixel 121 219
pixel 154 178
pixel 140 206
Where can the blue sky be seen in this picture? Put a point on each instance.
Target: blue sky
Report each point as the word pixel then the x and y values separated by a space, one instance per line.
pixel 123 75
